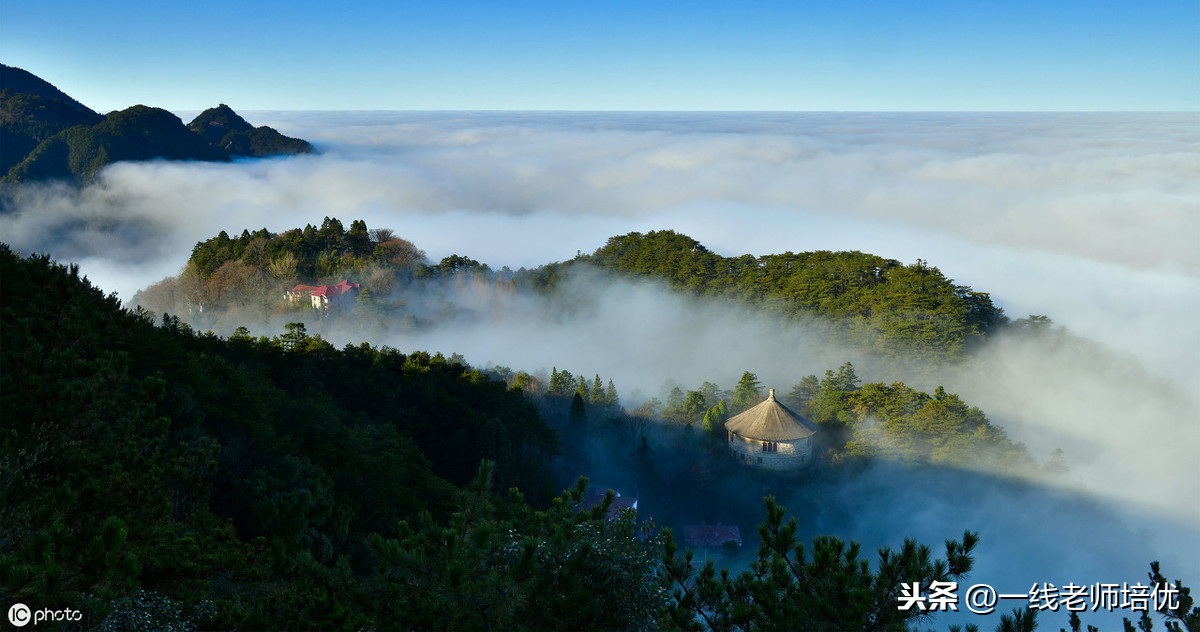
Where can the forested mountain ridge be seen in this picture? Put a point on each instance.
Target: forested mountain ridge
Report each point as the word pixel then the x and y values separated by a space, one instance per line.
pixel 223 128
pixel 45 134
pixel 31 111
pixel 136 133
pixel 877 305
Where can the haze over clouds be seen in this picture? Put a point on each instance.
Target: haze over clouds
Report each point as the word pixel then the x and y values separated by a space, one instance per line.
pixel 1091 219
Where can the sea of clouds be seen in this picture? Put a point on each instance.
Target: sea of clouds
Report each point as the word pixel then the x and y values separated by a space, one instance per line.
pixel 1091 219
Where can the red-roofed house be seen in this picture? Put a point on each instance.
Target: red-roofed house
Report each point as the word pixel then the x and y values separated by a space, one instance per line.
pixel 322 296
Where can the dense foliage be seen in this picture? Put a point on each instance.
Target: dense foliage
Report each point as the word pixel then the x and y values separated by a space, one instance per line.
pixel 150 474
pixel 309 252
pixel 898 422
pixel 143 456
pixel 159 479
pixel 833 590
pixel 899 314
pixel 877 304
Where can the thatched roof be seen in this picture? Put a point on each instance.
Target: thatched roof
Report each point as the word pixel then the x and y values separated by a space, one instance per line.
pixel 771 421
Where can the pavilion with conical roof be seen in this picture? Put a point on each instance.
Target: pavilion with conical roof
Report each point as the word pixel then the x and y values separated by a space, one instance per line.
pixel 771 436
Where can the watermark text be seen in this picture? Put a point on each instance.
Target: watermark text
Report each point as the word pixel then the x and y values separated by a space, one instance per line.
pixel 1071 597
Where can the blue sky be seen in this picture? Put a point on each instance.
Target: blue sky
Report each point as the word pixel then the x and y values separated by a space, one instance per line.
pixel 618 55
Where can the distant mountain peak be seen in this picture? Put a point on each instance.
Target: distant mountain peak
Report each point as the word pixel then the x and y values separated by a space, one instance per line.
pixel 221 118
pixel 224 129
pixel 45 134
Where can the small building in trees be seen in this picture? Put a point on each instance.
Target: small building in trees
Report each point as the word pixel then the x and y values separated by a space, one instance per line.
pixel 771 436
pixel 323 296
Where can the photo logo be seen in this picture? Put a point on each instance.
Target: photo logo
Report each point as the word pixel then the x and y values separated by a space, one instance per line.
pixel 19 614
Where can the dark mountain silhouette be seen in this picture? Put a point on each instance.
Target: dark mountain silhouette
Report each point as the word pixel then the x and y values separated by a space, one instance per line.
pixel 24 82
pixel 31 111
pixel 136 133
pixel 222 127
pixel 45 134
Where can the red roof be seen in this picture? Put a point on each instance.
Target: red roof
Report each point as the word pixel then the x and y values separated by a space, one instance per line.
pixel 331 291
pixel 711 536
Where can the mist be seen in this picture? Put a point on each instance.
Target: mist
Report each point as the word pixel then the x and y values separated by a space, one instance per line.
pixel 1090 219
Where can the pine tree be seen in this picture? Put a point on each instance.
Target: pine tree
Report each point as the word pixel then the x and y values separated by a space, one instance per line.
pixel 693 406
pixel 831 588
pixel 747 393
pixel 610 395
pixel 596 395
pixel 561 382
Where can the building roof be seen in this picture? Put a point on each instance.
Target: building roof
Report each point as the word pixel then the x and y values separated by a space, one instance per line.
pixel 771 421
pixel 326 290
pixel 710 536
pixel 594 497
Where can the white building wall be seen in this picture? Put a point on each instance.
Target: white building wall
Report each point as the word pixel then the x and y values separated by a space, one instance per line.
pixel 789 454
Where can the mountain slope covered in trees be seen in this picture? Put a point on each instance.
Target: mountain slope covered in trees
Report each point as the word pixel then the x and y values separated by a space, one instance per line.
pixel 45 134
pixel 154 478
pixel 143 455
pixel 136 133
pixel 880 306
pixel 31 111
pixel 223 128
pixel 157 475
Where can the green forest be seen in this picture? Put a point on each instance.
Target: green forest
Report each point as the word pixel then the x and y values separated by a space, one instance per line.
pixel 159 478
pixel 151 473
pixel 880 307
pixel 878 304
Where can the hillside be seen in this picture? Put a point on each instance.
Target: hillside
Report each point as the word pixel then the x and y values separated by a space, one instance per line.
pixel 155 478
pixel 164 478
pixel 878 306
pixel 136 133
pixel 45 134
pixel 223 128
pixel 31 111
